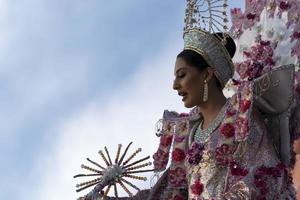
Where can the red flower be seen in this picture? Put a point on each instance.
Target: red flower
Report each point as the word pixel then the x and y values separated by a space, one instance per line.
pixel 178 197
pixel 177 177
pixel 166 140
pixel 197 188
pixel 245 105
pixel 237 171
pixel 227 130
pixel 178 155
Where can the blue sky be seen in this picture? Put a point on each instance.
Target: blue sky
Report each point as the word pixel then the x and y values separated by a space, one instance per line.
pixel 78 75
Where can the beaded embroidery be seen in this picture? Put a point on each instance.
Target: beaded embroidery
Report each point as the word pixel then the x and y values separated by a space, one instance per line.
pixel 202 136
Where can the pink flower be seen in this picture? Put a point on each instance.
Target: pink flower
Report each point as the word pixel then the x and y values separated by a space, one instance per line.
pixel 253 10
pixel 227 130
pixel 194 154
pixel 237 18
pixel 197 188
pixel 166 140
pixel 178 155
pixel 160 159
pixel 259 60
pixel 242 68
pixel 242 127
pixel 223 155
pixel 177 177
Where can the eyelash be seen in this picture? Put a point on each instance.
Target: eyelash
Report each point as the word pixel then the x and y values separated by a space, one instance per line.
pixel 181 76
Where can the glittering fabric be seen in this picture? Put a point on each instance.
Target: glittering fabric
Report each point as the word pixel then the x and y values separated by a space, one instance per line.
pixel 247 169
pixel 240 160
pixel 212 51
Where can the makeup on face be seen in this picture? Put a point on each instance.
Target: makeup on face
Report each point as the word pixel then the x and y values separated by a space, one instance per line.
pixel 188 83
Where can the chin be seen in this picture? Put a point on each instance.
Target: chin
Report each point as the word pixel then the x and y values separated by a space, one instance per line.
pixel 188 105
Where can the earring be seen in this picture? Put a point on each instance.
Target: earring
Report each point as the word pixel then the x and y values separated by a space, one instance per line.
pixel 205 91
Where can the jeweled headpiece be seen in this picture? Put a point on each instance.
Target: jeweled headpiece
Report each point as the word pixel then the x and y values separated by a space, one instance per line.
pixel 203 19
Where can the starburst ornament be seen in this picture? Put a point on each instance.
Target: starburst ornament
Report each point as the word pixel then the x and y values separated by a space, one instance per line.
pixel 113 174
pixel 207 15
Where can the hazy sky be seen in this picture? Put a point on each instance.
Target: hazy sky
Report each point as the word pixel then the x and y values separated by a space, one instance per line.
pixel 76 75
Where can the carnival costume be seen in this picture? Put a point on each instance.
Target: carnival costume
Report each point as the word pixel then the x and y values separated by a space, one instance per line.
pixel 245 153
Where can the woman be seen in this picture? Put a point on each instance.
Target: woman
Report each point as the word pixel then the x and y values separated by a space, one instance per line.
pixel 236 148
pixel 222 149
pixel 230 153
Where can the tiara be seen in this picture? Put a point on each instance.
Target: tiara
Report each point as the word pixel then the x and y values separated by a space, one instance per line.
pixel 203 18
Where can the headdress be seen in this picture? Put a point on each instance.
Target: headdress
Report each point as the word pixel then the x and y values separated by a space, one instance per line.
pixel 203 19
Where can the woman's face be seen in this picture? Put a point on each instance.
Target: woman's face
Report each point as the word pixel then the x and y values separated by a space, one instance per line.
pixel 189 83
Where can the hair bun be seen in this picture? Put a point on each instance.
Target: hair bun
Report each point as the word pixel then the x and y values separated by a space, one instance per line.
pixel 230 44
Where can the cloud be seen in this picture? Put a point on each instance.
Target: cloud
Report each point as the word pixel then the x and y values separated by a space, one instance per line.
pixel 54 57
pixel 129 115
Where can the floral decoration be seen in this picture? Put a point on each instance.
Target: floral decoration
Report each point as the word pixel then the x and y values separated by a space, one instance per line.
pixel 236 170
pixel 166 140
pixel 224 155
pixel 177 177
pixel 194 154
pixel 197 188
pixel 160 159
pixel 227 130
pixel 263 175
pixel 178 155
pixel 262 56
pixel 258 60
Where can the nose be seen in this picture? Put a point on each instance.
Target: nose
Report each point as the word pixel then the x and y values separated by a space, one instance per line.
pixel 175 85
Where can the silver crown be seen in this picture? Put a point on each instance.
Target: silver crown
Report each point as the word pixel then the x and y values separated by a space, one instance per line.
pixel 203 18
pixel 208 15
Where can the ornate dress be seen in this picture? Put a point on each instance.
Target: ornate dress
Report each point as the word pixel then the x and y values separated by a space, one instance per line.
pixel 246 151
pixel 235 158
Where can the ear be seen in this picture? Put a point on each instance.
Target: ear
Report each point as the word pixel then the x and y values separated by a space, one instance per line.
pixel 210 74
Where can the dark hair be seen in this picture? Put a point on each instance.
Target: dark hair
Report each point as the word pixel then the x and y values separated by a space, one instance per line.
pixel 196 60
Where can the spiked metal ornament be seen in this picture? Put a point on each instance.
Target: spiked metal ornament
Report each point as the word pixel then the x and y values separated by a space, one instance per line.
pixel 113 174
pixel 207 15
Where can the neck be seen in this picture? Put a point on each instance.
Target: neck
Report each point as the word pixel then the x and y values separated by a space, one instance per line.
pixel 212 107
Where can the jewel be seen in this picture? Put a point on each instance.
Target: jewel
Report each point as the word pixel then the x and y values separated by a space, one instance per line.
pixel 201 136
